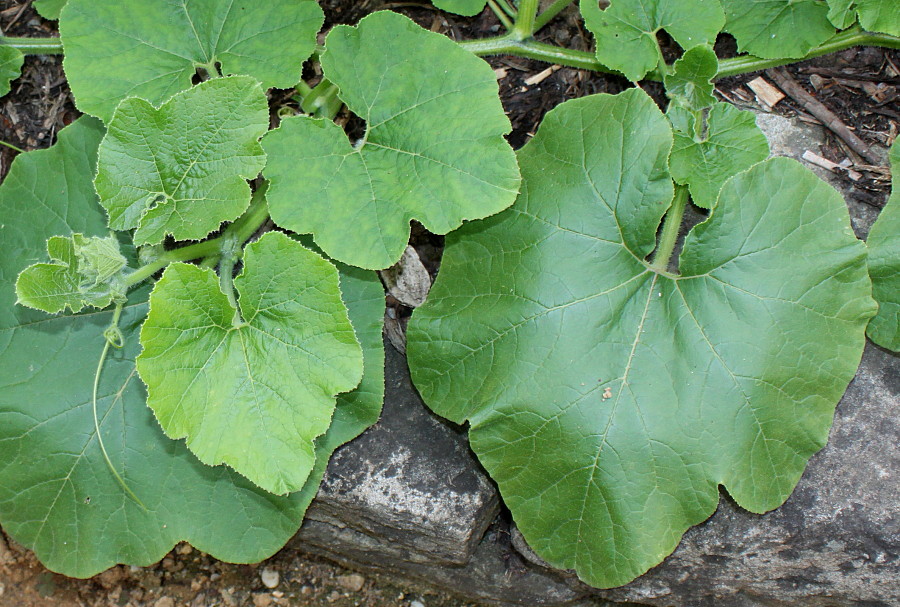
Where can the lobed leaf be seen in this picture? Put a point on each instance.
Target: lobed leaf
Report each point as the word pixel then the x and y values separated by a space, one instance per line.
pixel 433 149
pixel 57 495
pixel 251 387
pixel 83 272
pixel 884 265
pixel 690 84
pixel 152 48
pixel 626 31
pixel 610 401
pixel 182 169
pixel 11 61
pixel 874 15
pixel 710 149
pixel 775 29
pixel 467 8
pixel 49 9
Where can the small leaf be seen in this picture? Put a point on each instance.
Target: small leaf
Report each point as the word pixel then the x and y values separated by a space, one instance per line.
pixel 884 265
pixel 182 169
pixel 49 9
pixel 152 48
pixel 690 85
pixel 11 61
pixel 774 29
pixel 610 401
pixel 467 8
pixel 57 496
pixel 433 149
pixel 874 15
pixel 626 30
pixel 252 393
pixel 705 155
pixel 83 272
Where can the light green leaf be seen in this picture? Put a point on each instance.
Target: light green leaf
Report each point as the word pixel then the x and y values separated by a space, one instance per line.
pixel 884 265
pixel 57 495
pixel 690 85
pixel 11 61
pixel 626 31
pixel 182 169
pixel 433 150
pixel 874 15
pixel 49 9
pixel 251 388
pixel 83 272
pixel 152 48
pixel 610 401
pixel 468 8
pixel 725 142
pixel 773 29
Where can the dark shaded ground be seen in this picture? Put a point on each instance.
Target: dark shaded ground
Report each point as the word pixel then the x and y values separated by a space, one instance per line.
pixel 861 85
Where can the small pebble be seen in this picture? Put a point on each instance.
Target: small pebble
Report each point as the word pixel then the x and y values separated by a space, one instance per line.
pixel 417 604
pixel 166 601
pixel 262 600
pixel 353 582
pixel 269 577
pixel 185 549
pixel 335 595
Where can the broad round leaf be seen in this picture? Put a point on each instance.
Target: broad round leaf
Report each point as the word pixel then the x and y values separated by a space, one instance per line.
pixel 57 495
pixel 468 8
pixel 11 61
pixel 874 15
pixel 626 30
pixel 182 169
pixel 433 149
pixel 254 387
pixel 773 29
pixel 610 401
pixel 49 9
pixel 705 155
pixel 884 265
pixel 690 85
pixel 152 48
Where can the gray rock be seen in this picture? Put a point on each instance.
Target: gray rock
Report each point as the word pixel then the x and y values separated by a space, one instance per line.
pixel 407 489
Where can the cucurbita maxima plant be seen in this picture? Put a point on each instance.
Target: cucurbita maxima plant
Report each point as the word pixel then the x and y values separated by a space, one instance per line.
pixel 613 380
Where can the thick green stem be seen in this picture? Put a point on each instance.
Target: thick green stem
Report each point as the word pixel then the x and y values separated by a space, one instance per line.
pixel 226 275
pixel 252 219
pixel 321 101
pixel 500 14
pixel 552 11
pixel 523 29
pixel 194 251
pixel 671 226
pixel 507 8
pixel 34 46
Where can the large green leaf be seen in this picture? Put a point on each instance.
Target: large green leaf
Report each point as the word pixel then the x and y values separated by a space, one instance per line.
pixel 690 83
pixel 433 149
pixel 182 169
pixel 773 29
pixel 251 387
pixel 626 30
pixel 57 495
pixel 11 61
pixel 152 48
pixel 874 15
pixel 709 149
pixel 49 9
pixel 884 265
pixel 468 8
pixel 609 400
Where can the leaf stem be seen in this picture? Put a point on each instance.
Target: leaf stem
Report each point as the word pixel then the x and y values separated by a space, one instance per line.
pixel 500 14
pixel 194 251
pixel 321 101
pixel 507 8
pixel 34 46
pixel 112 337
pixel 11 146
pixel 552 11
pixel 523 28
pixel 671 227
pixel 245 226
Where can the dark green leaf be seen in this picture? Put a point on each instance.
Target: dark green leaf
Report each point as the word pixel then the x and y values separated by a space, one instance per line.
pixel 433 149
pixel 626 30
pixel 10 67
pixel 874 15
pixel 152 48
pixel 884 265
pixel 182 169
pixel 773 29
pixel 610 401
pixel 49 9
pixel 468 8
pixel 690 85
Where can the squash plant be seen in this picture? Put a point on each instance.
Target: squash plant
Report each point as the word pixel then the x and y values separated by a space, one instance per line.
pixel 156 288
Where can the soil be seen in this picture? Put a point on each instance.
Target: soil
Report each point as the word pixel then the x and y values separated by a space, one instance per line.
pixel 862 86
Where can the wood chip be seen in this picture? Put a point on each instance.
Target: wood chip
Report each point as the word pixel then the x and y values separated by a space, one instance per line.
pixel 828 165
pixel 765 93
pixel 408 280
pixel 501 73
pixel 541 76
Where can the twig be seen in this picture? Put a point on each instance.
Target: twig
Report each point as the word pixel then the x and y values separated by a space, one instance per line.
pixel 817 109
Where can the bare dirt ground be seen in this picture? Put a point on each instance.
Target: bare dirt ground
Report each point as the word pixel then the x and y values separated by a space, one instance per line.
pixel 862 86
